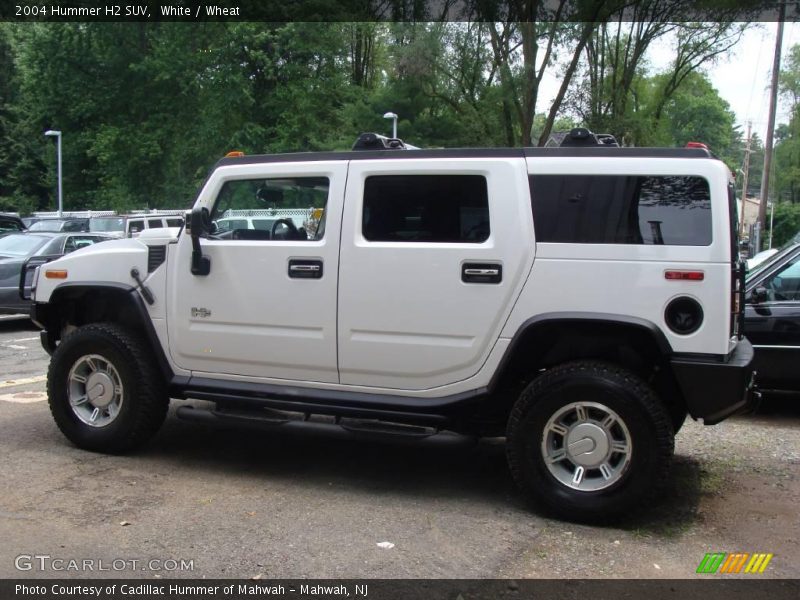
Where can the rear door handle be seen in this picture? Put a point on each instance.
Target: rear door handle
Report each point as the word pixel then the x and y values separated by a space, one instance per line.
pixel 481 273
pixel 305 269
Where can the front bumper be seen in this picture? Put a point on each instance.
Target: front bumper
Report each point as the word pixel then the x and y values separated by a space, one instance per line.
pixel 39 317
pixel 716 389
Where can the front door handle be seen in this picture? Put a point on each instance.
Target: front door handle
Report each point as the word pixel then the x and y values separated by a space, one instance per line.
pixel 305 269
pixel 481 273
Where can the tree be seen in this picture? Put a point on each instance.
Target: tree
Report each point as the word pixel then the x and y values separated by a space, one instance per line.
pixel 786 173
pixel 696 112
pixel 610 97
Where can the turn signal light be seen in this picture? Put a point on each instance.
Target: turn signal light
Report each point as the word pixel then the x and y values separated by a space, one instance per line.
pixel 685 275
pixel 234 154
pixel 53 274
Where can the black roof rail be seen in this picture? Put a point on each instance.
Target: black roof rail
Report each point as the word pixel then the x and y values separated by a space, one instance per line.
pixel 580 136
pixel 374 141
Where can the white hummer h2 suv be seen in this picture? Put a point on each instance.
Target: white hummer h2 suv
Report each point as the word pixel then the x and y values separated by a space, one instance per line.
pixel 578 300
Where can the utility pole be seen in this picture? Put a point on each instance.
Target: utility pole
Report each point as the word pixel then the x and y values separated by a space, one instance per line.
pixel 57 135
pixel 773 100
pixel 742 225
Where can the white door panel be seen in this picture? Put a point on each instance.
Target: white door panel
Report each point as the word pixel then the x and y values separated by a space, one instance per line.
pixel 258 321
pixel 406 319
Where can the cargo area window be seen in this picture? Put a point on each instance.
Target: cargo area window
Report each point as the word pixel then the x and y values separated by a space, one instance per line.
pixel 621 209
pixel 426 208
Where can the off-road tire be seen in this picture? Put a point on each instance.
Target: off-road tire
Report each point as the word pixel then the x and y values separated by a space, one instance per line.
pixel 645 417
pixel 144 403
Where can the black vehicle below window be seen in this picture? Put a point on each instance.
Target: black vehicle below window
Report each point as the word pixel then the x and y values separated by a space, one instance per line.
pixel 10 224
pixel 772 320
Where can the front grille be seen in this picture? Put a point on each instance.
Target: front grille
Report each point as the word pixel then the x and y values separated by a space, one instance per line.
pixel 156 255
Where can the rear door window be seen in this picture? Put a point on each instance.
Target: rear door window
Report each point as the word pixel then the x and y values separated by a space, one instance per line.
pixel 426 208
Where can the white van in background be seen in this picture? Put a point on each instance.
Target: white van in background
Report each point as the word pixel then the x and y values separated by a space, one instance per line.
pixel 132 225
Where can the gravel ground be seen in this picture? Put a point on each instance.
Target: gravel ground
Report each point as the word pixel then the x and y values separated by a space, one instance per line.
pixel 244 503
pixel 735 487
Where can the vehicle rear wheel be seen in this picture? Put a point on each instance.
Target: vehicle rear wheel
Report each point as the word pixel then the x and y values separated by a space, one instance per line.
pixel 105 391
pixel 589 441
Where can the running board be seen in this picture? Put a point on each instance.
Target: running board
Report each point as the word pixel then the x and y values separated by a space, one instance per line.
pixel 344 427
pixel 390 413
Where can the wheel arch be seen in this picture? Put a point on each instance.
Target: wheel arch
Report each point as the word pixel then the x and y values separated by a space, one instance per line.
pixel 547 340
pixel 82 303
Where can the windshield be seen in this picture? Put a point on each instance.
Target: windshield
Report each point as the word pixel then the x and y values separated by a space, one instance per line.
pixel 20 244
pixel 107 224
pixel 784 250
pixel 49 225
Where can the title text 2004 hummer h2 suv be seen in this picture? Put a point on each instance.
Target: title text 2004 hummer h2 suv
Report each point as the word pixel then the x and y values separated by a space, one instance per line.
pixel 578 300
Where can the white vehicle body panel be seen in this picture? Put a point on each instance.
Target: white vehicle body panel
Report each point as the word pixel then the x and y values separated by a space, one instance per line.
pixel 109 262
pixel 628 279
pixel 406 319
pixel 261 323
pixel 395 318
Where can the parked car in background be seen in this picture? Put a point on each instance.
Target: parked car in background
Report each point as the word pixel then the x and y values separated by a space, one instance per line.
pixel 35 248
pixel 67 224
pixel 114 225
pixel 28 221
pixel 132 225
pixel 772 319
pixel 135 224
pixel 759 258
pixel 10 224
pixel 231 223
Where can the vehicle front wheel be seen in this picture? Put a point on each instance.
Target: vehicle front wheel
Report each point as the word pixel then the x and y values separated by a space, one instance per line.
pixel 105 391
pixel 589 441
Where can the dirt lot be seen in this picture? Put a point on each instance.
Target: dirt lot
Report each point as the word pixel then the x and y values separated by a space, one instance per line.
pixel 242 503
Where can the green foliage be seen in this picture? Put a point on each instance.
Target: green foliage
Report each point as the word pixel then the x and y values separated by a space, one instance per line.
pixel 786 172
pixel 786 222
pixel 147 108
pixel 696 112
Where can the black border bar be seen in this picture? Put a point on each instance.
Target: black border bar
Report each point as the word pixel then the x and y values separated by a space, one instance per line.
pixel 396 10
pixel 711 587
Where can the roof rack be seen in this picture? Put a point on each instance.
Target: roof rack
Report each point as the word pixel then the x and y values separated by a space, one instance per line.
pixel 374 141
pixel 580 136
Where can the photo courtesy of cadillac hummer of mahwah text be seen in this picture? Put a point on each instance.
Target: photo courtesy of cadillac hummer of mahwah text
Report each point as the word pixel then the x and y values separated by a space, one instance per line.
pixel 579 301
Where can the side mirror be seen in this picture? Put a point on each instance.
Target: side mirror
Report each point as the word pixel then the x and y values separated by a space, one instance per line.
pixel 759 295
pixel 199 226
pixel 200 222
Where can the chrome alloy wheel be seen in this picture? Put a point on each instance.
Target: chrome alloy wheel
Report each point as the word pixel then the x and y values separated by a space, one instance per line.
pixel 586 446
pixel 95 390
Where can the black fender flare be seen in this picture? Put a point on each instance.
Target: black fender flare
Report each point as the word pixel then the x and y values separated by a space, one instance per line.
pixel 544 320
pixel 46 315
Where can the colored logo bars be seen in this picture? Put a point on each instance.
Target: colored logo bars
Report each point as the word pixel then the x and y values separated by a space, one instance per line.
pixel 720 562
